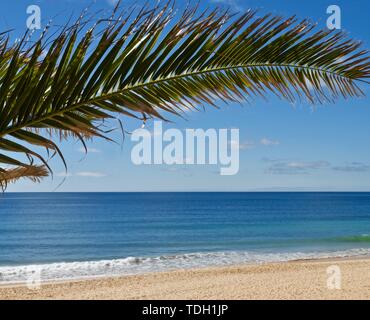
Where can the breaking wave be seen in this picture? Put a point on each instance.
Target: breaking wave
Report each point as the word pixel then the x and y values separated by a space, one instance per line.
pixel 139 265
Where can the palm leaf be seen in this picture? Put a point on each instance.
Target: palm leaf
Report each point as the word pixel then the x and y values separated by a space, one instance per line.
pixel 34 173
pixel 155 63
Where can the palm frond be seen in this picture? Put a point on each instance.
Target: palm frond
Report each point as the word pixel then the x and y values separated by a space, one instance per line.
pixel 34 173
pixel 154 63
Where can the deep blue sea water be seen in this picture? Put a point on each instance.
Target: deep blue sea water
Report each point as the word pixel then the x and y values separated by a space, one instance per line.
pixel 72 235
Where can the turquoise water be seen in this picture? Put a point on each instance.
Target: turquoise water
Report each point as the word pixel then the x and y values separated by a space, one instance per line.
pixel 90 234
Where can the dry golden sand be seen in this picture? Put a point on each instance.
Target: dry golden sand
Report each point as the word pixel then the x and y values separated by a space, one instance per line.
pixel 292 280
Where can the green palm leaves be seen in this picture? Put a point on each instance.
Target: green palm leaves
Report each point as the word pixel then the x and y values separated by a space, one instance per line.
pixel 154 63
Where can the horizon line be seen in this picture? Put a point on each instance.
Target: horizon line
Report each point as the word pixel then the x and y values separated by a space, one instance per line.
pixel 204 191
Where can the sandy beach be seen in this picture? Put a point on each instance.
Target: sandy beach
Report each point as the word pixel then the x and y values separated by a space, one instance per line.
pixel 291 280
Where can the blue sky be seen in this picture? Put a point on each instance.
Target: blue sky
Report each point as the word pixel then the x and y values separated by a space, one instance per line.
pixel 284 147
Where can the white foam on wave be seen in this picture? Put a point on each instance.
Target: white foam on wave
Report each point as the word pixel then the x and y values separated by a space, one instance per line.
pixel 138 265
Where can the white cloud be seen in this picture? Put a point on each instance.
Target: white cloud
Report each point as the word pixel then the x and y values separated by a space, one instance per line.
pixel 81 174
pixel 90 174
pixel 89 150
pixel 249 144
pixel 353 167
pixel 241 145
pixel 295 167
pixel 269 142
pixel 308 165
pixel 284 166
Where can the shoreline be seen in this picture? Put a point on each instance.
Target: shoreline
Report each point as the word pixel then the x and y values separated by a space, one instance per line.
pixel 298 279
pixel 67 271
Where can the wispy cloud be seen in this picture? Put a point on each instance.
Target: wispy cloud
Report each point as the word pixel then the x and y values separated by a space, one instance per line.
pixel 81 174
pixel 89 150
pixel 269 142
pixel 294 167
pixel 353 167
pixel 286 166
pixel 245 145
pixel 90 174
pixel 249 144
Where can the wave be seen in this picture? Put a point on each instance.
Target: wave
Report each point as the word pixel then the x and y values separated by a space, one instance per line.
pixel 139 265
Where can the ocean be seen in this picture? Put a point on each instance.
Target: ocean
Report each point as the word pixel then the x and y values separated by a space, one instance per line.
pixel 78 235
